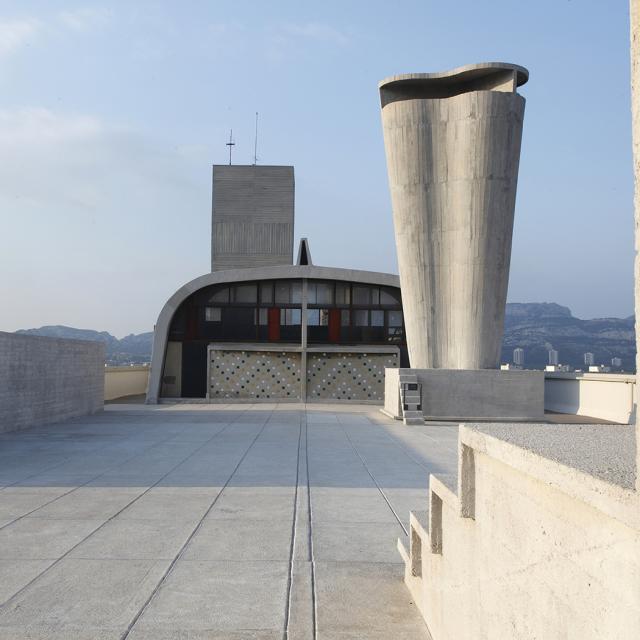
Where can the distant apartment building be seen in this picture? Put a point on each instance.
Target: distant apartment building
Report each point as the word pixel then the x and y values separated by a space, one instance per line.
pixel 589 360
pixel 518 357
pixel 553 357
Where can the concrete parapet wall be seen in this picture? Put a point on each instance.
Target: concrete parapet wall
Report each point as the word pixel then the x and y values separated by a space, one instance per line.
pixel 524 547
pixel 120 382
pixel 607 397
pixel 481 394
pixel 46 380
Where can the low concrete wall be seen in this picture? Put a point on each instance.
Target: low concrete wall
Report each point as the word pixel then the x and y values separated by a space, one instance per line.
pixel 597 395
pixel 480 394
pixel 120 382
pixel 46 380
pixel 523 547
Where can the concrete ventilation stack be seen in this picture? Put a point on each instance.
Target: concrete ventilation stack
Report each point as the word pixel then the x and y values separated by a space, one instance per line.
pixel 452 143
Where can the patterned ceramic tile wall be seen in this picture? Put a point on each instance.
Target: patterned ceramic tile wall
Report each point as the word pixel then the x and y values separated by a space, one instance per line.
pixel 254 374
pixel 348 376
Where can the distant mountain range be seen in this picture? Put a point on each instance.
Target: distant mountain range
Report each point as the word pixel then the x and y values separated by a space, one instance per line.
pixel 535 327
pixel 538 327
pixel 132 349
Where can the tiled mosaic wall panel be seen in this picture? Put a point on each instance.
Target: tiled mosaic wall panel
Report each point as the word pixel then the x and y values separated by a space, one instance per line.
pixel 348 376
pixel 254 374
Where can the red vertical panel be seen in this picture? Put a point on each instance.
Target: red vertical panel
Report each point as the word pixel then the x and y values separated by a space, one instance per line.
pixel 274 325
pixel 334 325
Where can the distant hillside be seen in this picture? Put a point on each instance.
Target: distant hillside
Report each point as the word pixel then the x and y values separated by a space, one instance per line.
pixel 132 349
pixel 536 327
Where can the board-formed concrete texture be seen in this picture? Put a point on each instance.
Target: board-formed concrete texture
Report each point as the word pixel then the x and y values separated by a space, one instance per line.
pixel 244 522
pixel 45 380
pixel 252 217
pixel 452 144
pixel 539 537
pixel 484 394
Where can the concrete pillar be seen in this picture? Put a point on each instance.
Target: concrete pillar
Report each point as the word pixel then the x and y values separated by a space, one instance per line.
pixel 635 111
pixel 452 143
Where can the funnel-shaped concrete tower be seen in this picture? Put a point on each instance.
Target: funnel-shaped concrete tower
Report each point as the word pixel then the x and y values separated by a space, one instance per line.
pixel 452 142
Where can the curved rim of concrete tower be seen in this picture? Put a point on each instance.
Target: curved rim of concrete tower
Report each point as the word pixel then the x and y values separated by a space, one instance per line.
pixel 462 74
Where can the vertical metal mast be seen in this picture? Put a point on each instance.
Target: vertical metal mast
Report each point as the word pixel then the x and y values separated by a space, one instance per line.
pixel 230 144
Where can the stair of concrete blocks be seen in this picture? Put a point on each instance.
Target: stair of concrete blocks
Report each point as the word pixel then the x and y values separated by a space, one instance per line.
pixel 410 399
pixel 519 546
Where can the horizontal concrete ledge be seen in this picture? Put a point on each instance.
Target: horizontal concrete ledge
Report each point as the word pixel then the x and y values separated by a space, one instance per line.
pixel 250 401
pixel 598 377
pixel 125 368
pixel 275 347
pixel 465 72
pixel 483 76
pixel 613 497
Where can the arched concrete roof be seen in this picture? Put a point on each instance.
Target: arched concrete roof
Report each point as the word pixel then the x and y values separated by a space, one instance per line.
pixel 232 276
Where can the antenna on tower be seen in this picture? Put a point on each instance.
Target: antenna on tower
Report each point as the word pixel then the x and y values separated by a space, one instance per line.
pixel 255 145
pixel 230 144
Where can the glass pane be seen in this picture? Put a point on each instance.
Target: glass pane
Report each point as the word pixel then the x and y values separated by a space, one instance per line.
pixel 312 296
pixel 296 292
pixel 244 293
pixel 361 317
pixel 324 293
pixel 375 295
pixel 222 295
pixel 343 291
pixel 213 314
pixel 262 317
pixel 344 318
pixel 313 317
pixel 361 295
pixel 377 318
pixel 290 316
pixel 394 318
pixel 389 296
pixel 283 291
pixel 324 317
pixel 266 292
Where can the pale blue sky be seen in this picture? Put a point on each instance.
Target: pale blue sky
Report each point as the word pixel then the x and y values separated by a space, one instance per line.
pixel 111 115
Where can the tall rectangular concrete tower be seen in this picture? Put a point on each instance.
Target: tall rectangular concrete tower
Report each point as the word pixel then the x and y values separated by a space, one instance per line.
pixel 252 216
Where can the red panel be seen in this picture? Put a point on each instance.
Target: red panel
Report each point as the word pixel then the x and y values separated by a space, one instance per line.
pixel 334 325
pixel 274 325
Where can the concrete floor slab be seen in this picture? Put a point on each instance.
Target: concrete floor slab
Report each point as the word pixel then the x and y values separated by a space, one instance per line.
pixel 205 547
pixel 43 538
pixel 356 541
pixel 122 539
pixel 241 540
pixel 220 597
pixel 80 599
pixel 360 600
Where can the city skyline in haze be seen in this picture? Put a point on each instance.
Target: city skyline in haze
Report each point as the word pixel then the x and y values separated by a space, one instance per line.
pixel 113 114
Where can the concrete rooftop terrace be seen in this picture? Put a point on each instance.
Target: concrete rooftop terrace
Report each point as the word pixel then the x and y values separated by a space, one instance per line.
pixel 227 521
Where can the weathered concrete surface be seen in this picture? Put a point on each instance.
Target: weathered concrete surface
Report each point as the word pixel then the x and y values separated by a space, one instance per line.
pixel 233 521
pixel 45 380
pixel 635 115
pixel 452 143
pixel 599 395
pixel 451 394
pixel 252 216
pixel 536 523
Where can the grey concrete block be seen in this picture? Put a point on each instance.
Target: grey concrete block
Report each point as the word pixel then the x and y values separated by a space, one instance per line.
pixel 45 380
